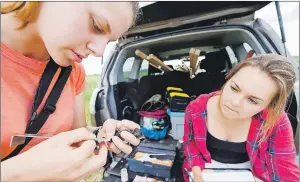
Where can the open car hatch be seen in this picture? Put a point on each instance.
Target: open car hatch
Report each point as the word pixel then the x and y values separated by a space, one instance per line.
pixel 166 16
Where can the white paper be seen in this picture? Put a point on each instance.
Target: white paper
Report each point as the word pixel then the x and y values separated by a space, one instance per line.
pixel 227 175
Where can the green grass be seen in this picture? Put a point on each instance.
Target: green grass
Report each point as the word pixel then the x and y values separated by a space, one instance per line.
pixel 144 73
pixel 91 83
pixel 296 58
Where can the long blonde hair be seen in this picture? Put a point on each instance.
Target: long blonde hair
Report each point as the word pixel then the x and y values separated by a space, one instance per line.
pixel 27 12
pixel 282 72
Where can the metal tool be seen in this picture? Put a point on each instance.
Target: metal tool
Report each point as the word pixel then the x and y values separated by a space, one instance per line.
pixel 20 139
pixel 146 157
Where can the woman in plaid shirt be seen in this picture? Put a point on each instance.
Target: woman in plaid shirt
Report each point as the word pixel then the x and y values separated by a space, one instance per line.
pixel 244 124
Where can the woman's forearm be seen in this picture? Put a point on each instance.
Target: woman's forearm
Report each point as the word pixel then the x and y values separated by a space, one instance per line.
pixel 13 170
pixel 197 174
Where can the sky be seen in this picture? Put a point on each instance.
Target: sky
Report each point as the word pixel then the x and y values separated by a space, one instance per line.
pixel 290 16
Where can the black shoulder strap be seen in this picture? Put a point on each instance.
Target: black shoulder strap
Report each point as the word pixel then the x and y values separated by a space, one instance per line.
pixel 38 120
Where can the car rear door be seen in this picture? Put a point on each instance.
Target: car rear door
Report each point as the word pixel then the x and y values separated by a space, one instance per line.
pixel 275 43
pixel 168 16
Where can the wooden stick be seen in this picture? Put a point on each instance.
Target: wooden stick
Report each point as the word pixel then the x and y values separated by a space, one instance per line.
pixel 192 63
pixel 144 56
pixel 191 54
pixel 140 54
pixel 157 61
pixel 198 65
pixel 196 56
pixel 151 58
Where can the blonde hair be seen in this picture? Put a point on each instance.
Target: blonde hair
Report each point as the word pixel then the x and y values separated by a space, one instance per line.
pixel 282 72
pixel 27 12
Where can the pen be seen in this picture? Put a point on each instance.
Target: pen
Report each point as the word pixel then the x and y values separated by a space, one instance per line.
pixel 187 172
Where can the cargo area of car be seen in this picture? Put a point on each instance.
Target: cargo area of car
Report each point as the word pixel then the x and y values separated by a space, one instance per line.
pixel 134 80
pixel 224 33
pixel 220 49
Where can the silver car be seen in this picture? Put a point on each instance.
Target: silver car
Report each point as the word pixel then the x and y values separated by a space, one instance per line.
pixel 168 30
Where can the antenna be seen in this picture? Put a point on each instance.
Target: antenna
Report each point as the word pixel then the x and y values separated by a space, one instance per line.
pixel 281 26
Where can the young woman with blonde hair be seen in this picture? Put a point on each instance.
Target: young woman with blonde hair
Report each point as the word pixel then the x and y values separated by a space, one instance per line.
pixel 33 35
pixel 244 125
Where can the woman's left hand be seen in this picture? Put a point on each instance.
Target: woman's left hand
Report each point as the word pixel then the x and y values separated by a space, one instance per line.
pixel 118 145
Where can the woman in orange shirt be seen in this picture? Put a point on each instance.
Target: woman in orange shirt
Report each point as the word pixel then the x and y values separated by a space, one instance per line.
pixel 31 32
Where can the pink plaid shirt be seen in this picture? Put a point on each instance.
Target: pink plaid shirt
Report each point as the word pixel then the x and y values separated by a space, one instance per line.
pixel 274 160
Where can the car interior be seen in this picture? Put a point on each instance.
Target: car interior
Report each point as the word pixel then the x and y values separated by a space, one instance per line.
pixel 191 47
pixel 220 49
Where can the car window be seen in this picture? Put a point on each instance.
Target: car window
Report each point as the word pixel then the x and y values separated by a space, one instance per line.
pixel 128 67
pixel 144 71
pixel 248 48
pixel 232 56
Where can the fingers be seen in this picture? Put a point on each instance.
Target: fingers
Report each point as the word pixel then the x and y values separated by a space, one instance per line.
pixel 121 145
pixel 130 138
pixel 114 148
pixel 78 144
pixel 95 162
pixel 109 127
pixel 86 148
pixel 75 136
pixel 126 124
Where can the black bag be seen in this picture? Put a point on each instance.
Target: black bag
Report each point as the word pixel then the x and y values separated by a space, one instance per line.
pixel 37 120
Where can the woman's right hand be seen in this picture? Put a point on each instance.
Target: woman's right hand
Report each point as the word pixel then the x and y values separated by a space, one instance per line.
pixel 55 159
pixel 198 179
pixel 197 174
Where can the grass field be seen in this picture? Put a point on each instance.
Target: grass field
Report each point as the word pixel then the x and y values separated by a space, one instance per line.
pixel 296 58
pixel 91 83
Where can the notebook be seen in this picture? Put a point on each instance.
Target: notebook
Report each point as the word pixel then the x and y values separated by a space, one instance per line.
pixel 226 175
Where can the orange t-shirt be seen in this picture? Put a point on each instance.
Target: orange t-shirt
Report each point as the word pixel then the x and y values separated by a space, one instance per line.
pixel 20 76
